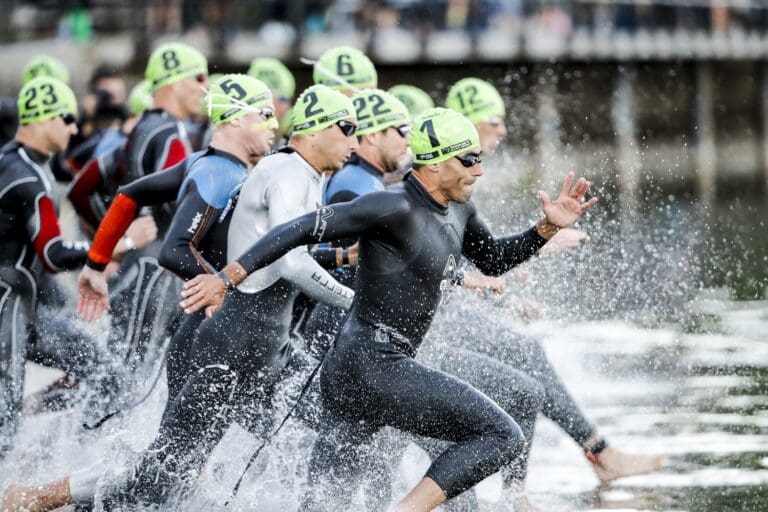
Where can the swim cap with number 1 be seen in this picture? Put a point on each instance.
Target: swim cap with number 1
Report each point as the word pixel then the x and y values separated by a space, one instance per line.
pixel 439 133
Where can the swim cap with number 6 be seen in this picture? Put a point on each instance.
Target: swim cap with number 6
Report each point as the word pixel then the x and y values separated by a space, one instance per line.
pixel 319 107
pixel 476 99
pixel 440 133
pixel 345 64
pixel 233 96
pixel 44 98
pixel 173 62
pixel 377 110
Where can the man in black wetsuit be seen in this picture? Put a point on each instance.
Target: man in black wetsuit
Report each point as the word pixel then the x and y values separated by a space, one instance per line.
pixel 32 248
pixel 411 238
pixel 482 104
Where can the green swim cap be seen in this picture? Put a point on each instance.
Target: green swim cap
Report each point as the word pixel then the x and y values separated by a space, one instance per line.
pixel 377 110
pixel 348 64
pixel 44 65
pixel 319 107
pixel 140 98
pixel 173 62
pixel 441 133
pixel 286 123
pixel 278 78
pixel 233 96
pixel 415 100
pixel 44 98
pixel 476 99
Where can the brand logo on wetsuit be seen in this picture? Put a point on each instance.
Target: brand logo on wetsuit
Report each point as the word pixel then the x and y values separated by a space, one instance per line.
pixel 449 273
pixel 321 222
pixel 195 222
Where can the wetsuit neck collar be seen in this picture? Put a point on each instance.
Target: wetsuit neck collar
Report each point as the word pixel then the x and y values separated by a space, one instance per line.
pixel 226 155
pixel 415 184
pixel 34 155
pixel 367 166
pixel 159 111
pixel 317 173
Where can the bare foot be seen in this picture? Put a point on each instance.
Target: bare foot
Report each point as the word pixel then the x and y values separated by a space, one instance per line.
pixel 22 498
pixel 611 464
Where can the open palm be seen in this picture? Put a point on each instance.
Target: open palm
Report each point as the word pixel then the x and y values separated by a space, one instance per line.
pixel 569 205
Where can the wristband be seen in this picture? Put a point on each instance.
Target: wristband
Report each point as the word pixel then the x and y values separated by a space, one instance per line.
pixel 227 281
pixel 345 257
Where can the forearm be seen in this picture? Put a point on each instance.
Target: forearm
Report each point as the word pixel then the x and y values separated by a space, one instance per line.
pixel 500 255
pixel 299 268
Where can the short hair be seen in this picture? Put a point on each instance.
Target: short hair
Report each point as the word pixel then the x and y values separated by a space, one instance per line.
pixel 102 71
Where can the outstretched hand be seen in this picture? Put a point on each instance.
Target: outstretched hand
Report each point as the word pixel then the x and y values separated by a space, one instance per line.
pixel 92 294
pixel 569 205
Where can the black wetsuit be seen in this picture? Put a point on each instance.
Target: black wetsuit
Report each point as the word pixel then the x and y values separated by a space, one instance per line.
pixel 196 242
pixel 409 249
pixel 32 325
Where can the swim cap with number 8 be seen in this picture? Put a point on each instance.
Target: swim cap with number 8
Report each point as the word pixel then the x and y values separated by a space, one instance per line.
pixel 173 62
pixel 476 99
pixel 319 107
pixel 44 98
pixel 233 96
pixel 345 64
pixel 377 110
pixel 440 133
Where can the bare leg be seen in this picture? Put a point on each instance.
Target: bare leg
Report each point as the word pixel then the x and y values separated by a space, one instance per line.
pixel 424 497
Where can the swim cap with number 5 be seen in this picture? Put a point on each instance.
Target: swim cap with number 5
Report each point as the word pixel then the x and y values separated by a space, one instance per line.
pixel 345 64
pixel 44 98
pixel 233 96
pixel 173 62
pixel 440 133
pixel 476 99
pixel 319 107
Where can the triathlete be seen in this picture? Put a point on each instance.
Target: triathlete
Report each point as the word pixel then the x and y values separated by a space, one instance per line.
pixel 243 350
pixel 45 65
pixel 32 247
pixel 482 104
pixel 411 239
pixel 144 309
pixel 241 111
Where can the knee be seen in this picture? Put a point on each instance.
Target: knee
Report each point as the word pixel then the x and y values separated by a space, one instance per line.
pixel 508 438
